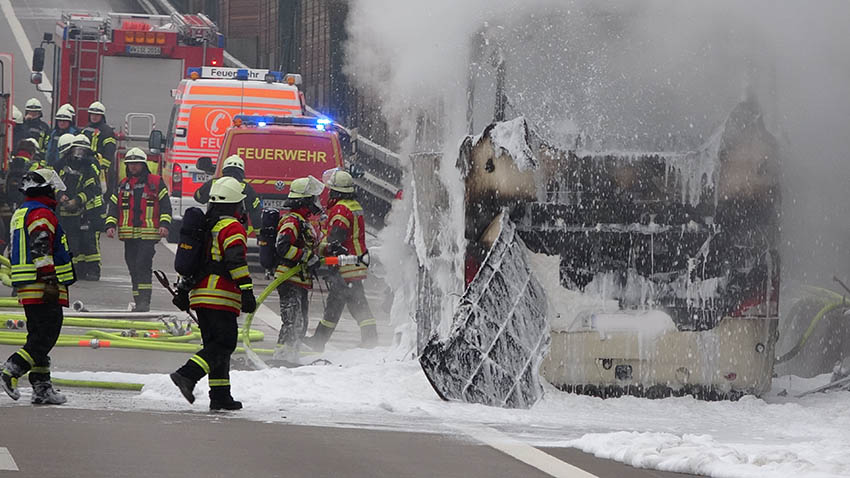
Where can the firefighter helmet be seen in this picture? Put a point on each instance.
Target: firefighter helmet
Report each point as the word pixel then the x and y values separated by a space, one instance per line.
pixel 41 178
pixel 135 155
pixel 17 116
pixel 82 140
pixel 226 190
pixel 305 187
pixel 33 105
pixel 30 144
pixel 97 108
pixel 234 161
pixel 65 142
pixel 65 113
pixel 338 180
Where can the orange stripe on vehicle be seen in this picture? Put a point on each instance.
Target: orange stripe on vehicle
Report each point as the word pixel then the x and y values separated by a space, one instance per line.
pixel 247 92
pixel 264 106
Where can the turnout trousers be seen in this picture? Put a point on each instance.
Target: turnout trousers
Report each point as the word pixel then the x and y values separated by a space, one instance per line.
pixel 219 333
pixel 138 254
pixel 44 323
pixel 342 294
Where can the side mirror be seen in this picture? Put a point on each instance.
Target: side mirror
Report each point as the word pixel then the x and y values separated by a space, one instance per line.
pixel 155 141
pixel 38 59
pixel 205 164
pixel 356 171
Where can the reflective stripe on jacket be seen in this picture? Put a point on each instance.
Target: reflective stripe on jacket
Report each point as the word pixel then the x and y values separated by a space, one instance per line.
pixel 348 214
pixel 301 246
pixel 154 208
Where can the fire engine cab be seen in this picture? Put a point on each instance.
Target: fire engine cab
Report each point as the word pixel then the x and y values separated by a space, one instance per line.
pixel 129 62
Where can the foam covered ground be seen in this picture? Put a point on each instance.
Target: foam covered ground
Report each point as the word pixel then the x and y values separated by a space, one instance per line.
pixel 776 436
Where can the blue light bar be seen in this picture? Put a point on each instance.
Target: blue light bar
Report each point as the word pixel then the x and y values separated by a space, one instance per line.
pixel 321 124
pixel 191 70
pixel 242 74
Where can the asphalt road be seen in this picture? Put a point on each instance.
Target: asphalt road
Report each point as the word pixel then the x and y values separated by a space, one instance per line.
pixel 64 441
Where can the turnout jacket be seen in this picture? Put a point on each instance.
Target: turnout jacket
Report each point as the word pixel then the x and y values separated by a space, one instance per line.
pixel 139 207
pixel 39 252
pixel 295 242
pixel 251 203
pixel 346 230
pixel 227 271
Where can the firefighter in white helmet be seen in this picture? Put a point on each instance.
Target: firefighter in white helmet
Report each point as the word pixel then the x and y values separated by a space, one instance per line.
pixel 41 273
pixel 63 122
pixel 222 291
pixel 345 234
pixel 81 204
pixel 140 212
pixel 18 131
pixel 234 167
pixel 103 143
pixel 34 127
pixel 296 243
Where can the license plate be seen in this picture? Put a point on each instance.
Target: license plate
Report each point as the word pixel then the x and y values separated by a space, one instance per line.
pixel 273 203
pixel 144 50
pixel 200 177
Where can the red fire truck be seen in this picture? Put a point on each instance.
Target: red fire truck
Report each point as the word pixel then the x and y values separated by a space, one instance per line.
pixel 129 62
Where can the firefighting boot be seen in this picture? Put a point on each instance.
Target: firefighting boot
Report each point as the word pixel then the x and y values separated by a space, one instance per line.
pixel 368 334
pixel 143 300
pixel 320 337
pixel 220 399
pixel 44 394
pixel 185 384
pixel 10 384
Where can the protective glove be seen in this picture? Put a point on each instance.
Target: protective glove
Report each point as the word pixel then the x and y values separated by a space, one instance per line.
pixel 337 249
pixel 312 263
pixel 181 300
pixel 249 303
pixel 51 292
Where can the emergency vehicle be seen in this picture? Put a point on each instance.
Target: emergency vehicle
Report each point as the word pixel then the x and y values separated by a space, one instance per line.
pixel 129 62
pixel 7 89
pixel 205 106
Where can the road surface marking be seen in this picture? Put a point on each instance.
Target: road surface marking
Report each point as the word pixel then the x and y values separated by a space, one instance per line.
pixel 23 41
pixel 523 452
pixel 6 460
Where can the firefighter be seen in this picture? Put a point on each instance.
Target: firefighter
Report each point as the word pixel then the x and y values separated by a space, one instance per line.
pixel 234 167
pixel 34 127
pixel 26 157
pixel 294 245
pixel 141 211
pixel 225 289
pixel 80 201
pixel 103 143
pixel 41 272
pixel 63 122
pixel 345 234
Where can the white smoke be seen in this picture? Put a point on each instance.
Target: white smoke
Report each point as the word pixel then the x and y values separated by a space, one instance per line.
pixel 648 74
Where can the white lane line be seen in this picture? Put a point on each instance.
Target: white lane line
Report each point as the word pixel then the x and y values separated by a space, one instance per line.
pixel 264 313
pixel 523 452
pixel 6 460
pixel 23 41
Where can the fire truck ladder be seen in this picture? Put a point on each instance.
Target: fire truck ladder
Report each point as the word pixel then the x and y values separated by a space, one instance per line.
pixel 85 67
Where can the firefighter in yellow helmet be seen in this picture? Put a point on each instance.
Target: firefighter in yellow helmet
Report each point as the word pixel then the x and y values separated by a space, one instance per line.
pixel 234 167
pixel 41 272
pixel 140 213
pixel 222 291
pixel 295 244
pixel 345 234
pixel 103 143
pixel 81 204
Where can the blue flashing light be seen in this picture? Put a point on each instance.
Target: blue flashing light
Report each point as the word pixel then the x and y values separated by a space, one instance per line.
pixel 261 124
pixel 191 70
pixel 242 74
pixel 321 124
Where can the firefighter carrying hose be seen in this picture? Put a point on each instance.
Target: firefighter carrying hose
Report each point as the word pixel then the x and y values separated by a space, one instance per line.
pixel 34 127
pixel 224 289
pixel 141 211
pixel 295 244
pixel 234 167
pixel 63 123
pixel 345 235
pixel 104 144
pixel 41 272
pixel 81 205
